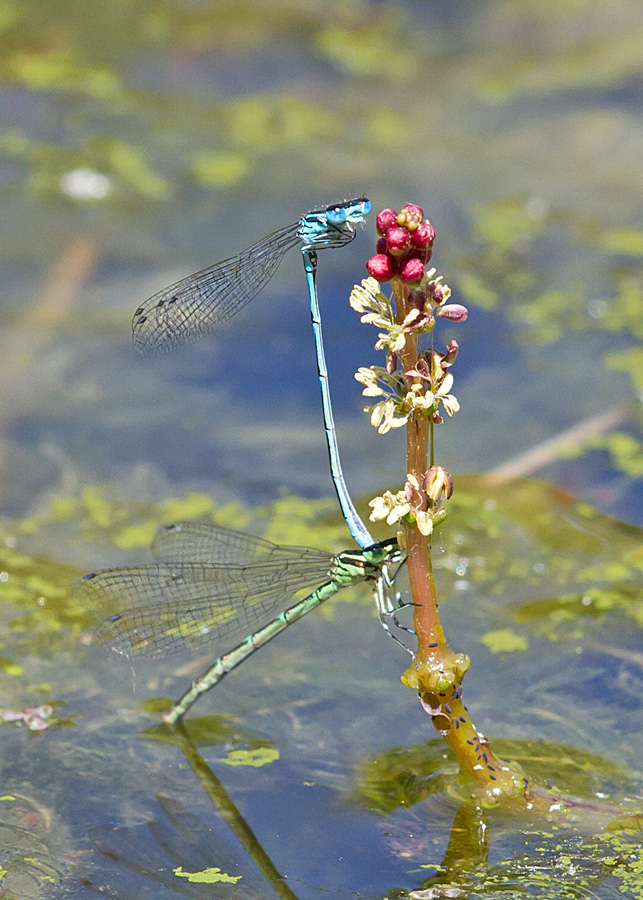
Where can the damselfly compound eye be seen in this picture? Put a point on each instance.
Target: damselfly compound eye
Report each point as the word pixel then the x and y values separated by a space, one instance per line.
pixel 336 215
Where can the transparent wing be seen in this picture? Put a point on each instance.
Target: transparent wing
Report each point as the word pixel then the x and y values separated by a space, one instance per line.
pixel 204 542
pixel 169 608
pixel 183 312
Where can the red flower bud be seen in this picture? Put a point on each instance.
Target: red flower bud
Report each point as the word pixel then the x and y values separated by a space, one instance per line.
pixel 381 267
pixel 386 219
pixel 424 255
pixel 412 211
pixel 423 236
pixel 380 245
pixel 454 312
pixel 398 241
pixel 411 271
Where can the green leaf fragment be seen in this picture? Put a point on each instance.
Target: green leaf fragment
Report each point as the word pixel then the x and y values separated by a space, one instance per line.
pixel 9 667
pixel 475 290
pixel 132 536
pixel 261 756
pixel 211 875
pixel 222 169
pixel 97 506
pixel 504 640
pixel 130 163
pixel 626 242
pixel 188 507
pixel 41 586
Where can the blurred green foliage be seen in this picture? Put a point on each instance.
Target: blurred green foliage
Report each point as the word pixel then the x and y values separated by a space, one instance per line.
pixel 100 65
pixel 39 590
pixel 541 560
pixel 538 560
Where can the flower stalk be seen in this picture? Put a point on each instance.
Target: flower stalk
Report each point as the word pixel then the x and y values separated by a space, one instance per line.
pixel 413 390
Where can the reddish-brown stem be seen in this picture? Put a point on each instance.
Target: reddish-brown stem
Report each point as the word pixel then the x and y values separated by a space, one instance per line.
pixel 425 612
pixel 418 546
pixel 437 672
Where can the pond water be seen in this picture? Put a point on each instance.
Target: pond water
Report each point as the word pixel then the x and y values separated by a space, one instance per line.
pixel 139 145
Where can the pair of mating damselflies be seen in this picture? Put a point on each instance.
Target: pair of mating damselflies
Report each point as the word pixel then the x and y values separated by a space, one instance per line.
pixel 213 583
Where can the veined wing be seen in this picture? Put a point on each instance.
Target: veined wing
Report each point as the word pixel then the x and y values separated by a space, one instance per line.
pixel 188 309
pixel 204 542
pixel 166 608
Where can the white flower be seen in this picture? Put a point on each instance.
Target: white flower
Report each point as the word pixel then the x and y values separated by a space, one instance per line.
pixel 364 295
pixel 450 404
pixel 446 384
pixel 449 401
pixel 381 412
pixel 424 522
pixel 391 507
pixel 368 377
pixel 393 338
pixel 417 398
pixel 383 416
pixel 367 299
pixel 442 395
pixel 376 309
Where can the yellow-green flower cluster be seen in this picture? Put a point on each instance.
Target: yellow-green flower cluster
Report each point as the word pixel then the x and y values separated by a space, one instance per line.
pixel 398 403
pixel 426 299
pixel 418 503
pixel 391 387
pixel 415 382
pixel 399 507
pixel 376 309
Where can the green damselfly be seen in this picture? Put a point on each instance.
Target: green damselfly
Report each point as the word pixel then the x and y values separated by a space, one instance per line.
pixel 215 583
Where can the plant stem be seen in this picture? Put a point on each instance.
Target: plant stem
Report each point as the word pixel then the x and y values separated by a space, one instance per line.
pixel 418 546
pixel 437 671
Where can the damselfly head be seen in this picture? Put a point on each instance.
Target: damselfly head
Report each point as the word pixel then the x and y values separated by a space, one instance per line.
pixel 333 226
pixel 352 211
pixel 385 553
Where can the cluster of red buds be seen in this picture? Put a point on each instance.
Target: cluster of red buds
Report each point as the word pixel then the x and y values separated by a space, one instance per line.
pixel 404 247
